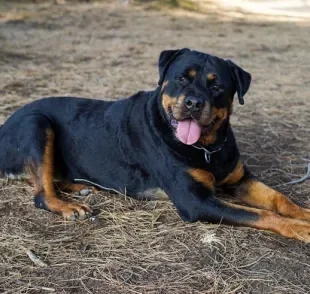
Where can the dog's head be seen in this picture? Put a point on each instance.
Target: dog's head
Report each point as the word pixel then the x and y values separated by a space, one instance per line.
pixel 197 92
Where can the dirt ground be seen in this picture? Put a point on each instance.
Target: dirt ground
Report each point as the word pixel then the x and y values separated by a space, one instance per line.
pixel 107 50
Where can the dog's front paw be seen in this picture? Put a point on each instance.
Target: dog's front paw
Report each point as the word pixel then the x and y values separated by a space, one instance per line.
pixel 69 210
pixel 297 229
pixel 75 211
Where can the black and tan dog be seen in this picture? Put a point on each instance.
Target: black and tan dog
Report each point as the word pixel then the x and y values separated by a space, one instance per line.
pixel 176 138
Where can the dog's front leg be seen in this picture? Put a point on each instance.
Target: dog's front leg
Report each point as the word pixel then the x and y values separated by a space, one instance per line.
pixel 255 193
pixel 193 195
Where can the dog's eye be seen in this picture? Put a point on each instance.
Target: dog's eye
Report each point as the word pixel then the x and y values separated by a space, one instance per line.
pixel 181 79
pixel 215 89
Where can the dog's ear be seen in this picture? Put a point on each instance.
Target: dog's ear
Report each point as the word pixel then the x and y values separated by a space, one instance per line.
pixel 242 80
pixel 165 59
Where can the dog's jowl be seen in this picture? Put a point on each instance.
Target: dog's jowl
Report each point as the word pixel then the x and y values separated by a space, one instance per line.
pixel 176 138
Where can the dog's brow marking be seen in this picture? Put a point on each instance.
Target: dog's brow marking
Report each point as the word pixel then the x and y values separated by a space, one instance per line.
pixel 211 76
pixel 192 73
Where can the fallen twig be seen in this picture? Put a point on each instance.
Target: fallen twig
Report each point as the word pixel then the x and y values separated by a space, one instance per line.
pixel 304 178
pixel 36 259
pixel 48 289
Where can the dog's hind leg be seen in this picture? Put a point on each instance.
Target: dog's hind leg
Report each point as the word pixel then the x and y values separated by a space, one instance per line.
pixel 42 172
pixel 27 146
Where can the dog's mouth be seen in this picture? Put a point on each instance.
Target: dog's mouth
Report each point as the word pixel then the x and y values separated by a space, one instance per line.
pixel 188 130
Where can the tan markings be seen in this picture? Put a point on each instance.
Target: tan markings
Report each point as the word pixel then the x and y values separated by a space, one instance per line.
pixel 204 177
pixel 48 165
pixel 168 102
pixel 211 76
pixel 43 182
pixel 235 176
pixel 267 220
pixel 192 73
pixel 164 85
pixel 218 114
pixel 34 173
pixel 257 194
pixel 179 108
pixel 72 187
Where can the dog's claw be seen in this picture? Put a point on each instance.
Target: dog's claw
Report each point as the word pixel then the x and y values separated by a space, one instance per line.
pixel 85 192
pixel 76 211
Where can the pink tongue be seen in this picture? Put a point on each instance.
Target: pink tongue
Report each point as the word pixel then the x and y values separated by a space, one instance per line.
pixel 188 131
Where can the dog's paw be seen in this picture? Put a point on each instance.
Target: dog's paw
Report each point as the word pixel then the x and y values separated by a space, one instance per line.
pixel 75 211
pixel 86 191
pixel 297 229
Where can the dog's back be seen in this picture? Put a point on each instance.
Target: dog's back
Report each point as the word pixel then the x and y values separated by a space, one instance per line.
pixel 61 114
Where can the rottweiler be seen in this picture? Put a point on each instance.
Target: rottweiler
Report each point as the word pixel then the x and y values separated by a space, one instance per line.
pixel 176 138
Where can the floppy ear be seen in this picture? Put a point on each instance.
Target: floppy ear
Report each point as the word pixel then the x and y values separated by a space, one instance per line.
pixel 165 59
pixel 242 80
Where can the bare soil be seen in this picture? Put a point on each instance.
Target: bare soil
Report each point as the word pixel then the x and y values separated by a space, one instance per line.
pixel 110 50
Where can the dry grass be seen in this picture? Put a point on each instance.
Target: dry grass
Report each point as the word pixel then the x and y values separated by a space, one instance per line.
pixel 105 50
pixel 169 4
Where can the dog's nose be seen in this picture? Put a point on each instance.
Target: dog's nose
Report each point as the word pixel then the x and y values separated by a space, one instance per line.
pixel 194 103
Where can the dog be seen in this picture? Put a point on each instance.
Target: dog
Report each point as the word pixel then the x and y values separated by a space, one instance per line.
pixel 176 138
